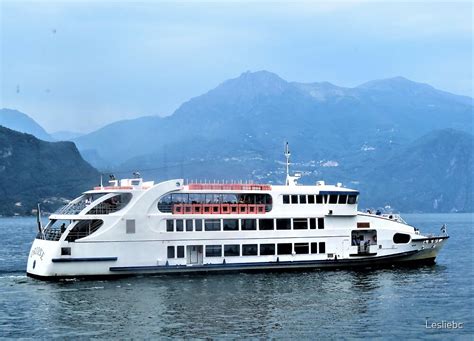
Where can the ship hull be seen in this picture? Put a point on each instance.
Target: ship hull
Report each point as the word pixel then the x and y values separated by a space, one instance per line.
pixel 105 267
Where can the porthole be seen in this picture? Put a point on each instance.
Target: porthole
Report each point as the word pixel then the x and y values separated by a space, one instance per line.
pixel 401 238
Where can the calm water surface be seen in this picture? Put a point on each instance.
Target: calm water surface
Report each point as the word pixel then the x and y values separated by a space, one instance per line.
pixel 391 303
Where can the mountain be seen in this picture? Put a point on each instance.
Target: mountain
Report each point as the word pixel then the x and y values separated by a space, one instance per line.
pixel 258 111
pixel 32 171
pixel 431 174
pixel 65 135
pixel 21 122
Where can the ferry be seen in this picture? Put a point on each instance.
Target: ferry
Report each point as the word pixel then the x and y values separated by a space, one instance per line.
pixel 134 227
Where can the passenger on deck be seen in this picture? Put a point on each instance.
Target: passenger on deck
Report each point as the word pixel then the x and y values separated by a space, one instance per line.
pixel 378 212
pixel 63 228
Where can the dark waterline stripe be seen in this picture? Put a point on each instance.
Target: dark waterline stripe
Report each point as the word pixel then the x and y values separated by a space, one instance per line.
pixel 94 259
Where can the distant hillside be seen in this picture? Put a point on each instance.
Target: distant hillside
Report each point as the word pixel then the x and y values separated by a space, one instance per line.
pixel 432 174
pixel 378 137
pixel 21 122
pixel 258 111
pixel 34 171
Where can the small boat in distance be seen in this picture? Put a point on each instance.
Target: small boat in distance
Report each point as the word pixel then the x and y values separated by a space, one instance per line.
pixel 136 227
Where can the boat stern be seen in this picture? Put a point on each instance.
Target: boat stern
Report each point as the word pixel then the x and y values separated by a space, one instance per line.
pixel 40 258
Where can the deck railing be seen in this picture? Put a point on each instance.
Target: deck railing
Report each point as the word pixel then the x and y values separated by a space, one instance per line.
pixel 72 208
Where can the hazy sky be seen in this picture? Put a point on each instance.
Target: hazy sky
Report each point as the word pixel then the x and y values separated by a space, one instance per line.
pixel 79 65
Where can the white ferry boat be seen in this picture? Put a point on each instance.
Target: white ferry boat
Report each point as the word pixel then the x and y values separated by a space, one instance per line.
pixel 136 227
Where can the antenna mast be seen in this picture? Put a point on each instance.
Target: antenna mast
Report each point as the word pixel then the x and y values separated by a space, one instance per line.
pixel 287 156
pixel 290 180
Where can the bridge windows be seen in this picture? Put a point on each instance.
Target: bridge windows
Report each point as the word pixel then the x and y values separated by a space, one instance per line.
pixel 352 199
pixel 333 198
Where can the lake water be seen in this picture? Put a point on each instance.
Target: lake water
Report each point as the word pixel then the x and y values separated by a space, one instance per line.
pixel 389 303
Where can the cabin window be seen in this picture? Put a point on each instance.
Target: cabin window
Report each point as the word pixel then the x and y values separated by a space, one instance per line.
pixel 333 199
pixel 231 250
pixel 401 238
pixel 170 251
pixel 180 252
pixel 312 223
pixel 352 199
pixel 319 199
pixel 82 229
pixel 314 247
pixel 342 199
pixel 322 247
pixel 65 251
pixel 130 225
pixel 169 226
pixel 284 249
pixel 212 224
pixel 265 224
pixel 300 224
pixel 302 199
pixel 249 224
pixel 301 248
pixel 231 224
pixel 111 205
pixel 249 250
pixel 283 224
pixel 213 250
pixel 321 223
pixel 267 249
pixel 195 198
pixel 198 224
pixel 179 225
pixel 310 199
pixel 294 199
pixel 189 225
pixel 286 199
pixel 229 199
pixel 181 198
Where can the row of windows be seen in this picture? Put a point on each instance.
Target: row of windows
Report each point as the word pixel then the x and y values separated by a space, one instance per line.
pixel 166 203
pixel 236 250
pixel 320 199
pixel 172 252
pixel 190 225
